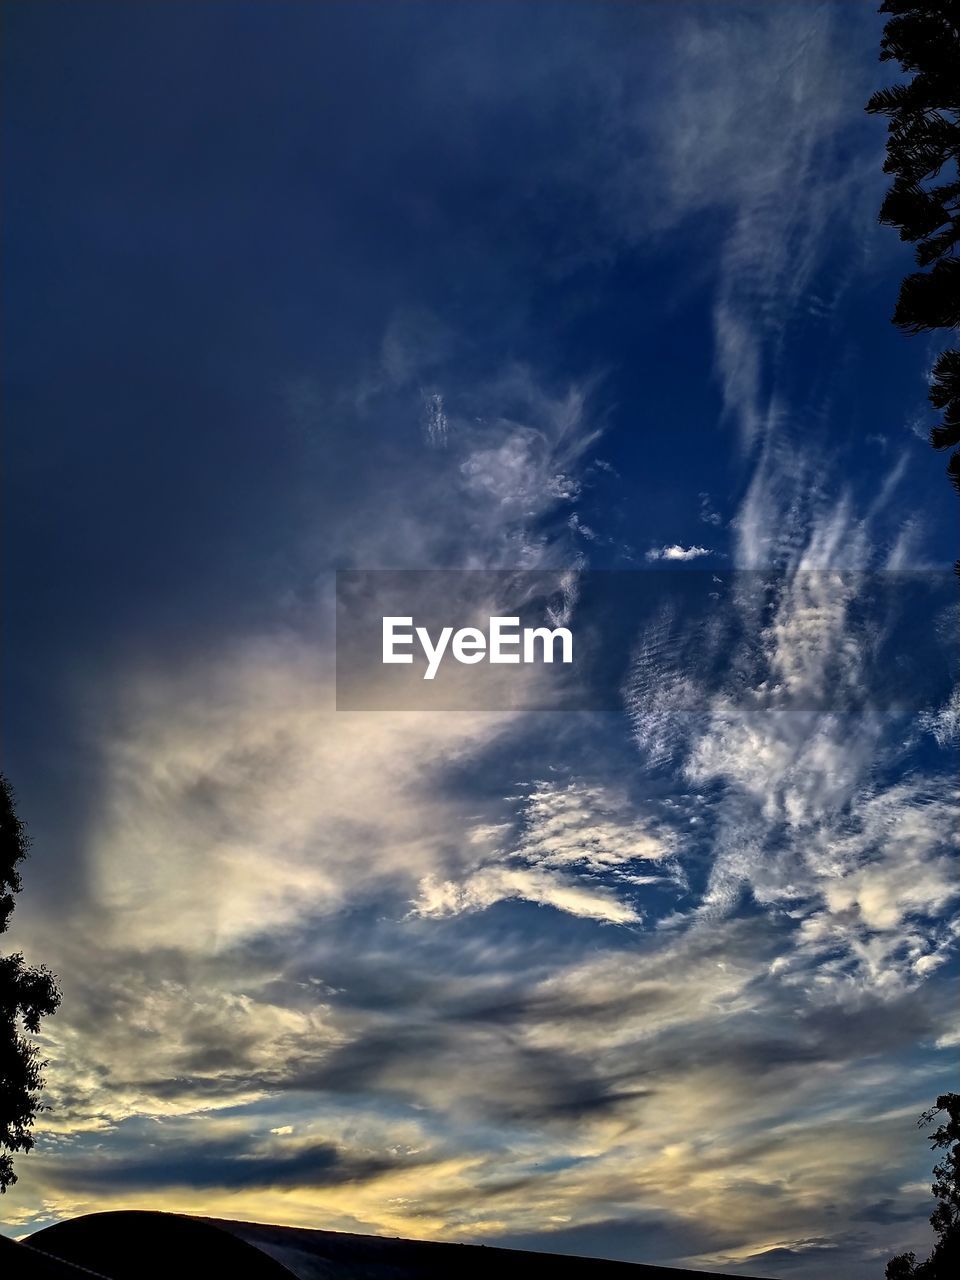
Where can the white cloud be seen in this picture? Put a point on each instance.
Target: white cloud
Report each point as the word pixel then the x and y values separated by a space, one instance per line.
pixel 588 825
pixel 490 885
pixel 570 836
pixel 676 552
pixel 805 819
pixel 944 723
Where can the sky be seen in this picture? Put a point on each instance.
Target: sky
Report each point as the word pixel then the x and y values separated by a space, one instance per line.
pixel 295 288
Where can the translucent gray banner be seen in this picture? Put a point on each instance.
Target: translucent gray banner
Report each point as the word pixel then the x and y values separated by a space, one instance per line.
pixel 813 640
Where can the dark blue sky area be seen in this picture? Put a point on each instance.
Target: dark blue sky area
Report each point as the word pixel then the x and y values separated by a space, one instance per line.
pixel 207 203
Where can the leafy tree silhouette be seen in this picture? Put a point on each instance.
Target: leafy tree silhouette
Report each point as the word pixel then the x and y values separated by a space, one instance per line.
pixel 923 148
pixel 945 1219
pixel 26 996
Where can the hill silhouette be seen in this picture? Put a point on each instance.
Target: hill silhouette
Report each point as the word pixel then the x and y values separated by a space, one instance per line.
pixel 126 1244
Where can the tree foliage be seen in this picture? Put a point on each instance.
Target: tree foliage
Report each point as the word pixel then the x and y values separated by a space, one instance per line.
pixel 26 996
pixel 923 150
pixel 945 1219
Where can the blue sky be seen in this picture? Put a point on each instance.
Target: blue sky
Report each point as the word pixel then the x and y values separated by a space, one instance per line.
pixel 291 288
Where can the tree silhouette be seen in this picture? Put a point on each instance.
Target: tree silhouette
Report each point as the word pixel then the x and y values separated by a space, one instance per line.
pixel 923 149
pixel 26 996
pixel 945 1219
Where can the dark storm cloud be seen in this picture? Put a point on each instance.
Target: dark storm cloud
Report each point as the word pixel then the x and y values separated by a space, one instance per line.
pixel 230 1164
pixel 626 1238
pixel 416 1033
pixel 501 1081
pixel 889 1210
pixel 808 1257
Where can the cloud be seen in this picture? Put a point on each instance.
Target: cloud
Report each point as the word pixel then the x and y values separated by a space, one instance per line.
pixel 490 885
pixel 944 722
pixel 707 513
pixel 761 165
pixel 227 1165
pixel 594 826
pixel 676 552
pixel 435 422
pixel 236 799
pixel 569 836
